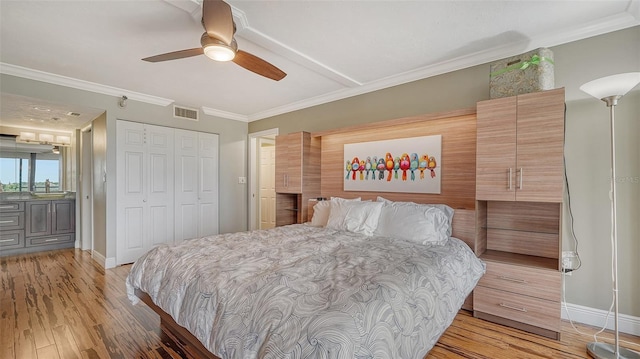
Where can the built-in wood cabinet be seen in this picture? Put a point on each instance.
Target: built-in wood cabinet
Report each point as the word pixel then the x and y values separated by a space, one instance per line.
pixel 290 156
pixel 519 193
pixel 297 175
pixel 520 142
pixel 36 225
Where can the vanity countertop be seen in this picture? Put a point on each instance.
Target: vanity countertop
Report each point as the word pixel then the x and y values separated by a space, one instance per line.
pixel 27 196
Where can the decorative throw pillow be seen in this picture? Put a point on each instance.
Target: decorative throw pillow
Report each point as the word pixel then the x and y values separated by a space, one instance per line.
pixel 443 207
pixel 355 216
pixel 413 222
pixel 322 209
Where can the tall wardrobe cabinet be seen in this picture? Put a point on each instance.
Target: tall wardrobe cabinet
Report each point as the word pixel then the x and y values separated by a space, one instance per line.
pixel 519 193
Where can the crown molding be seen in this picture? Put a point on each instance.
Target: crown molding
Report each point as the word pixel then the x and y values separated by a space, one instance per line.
pixel 225 114
pixel 599 27
pixel 47 77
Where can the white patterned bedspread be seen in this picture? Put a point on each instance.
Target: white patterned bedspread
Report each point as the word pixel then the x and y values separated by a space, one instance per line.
pixel 305 292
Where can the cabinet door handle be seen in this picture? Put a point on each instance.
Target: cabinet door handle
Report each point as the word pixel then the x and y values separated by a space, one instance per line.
pixel 513 307
pixel 511 279
pixel 520 179
pixel 49 208
pixel 51 240
pixel 6 207
pixel 510 174
pixel 3 222
pixel 6 240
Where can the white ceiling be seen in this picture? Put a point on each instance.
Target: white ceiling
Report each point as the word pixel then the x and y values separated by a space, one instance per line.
pixel 329 49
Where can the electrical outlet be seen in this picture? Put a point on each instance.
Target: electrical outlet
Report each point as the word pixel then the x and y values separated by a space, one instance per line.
pixel 242 180
pixel 569 261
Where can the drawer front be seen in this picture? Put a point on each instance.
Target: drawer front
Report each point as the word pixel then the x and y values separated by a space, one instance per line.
pixel 535 282
pixel 11 221
pixel 11 239
pixel 11 207
pixel 524 309
pixel 59 239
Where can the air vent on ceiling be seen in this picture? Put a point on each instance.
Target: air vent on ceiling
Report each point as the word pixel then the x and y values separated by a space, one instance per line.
pixel 73 114
pixel 185 113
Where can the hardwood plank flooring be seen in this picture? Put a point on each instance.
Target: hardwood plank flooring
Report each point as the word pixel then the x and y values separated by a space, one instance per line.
pixel 62 304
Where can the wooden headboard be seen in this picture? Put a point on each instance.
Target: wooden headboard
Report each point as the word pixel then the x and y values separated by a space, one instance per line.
pixel 458 163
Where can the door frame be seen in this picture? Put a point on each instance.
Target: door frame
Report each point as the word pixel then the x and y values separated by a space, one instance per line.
pixel 254 179
pixel 86 189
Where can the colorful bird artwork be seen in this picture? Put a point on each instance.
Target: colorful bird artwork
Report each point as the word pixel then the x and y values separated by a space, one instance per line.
pixel 363 166
pixel 422 165
pixel 405 164
pixel 354 167
pixel 389 165
pixel 381 167
pixel 432 166
pixel 414 165
pixel 396 167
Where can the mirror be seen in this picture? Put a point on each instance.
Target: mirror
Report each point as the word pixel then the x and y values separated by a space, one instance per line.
pixel 26 167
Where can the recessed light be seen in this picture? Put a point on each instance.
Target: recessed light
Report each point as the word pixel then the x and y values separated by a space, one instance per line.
pixel 43 109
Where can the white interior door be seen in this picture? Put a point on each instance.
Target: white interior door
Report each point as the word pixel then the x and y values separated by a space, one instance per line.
pixel 86 192
pixel 160 185
pixel 208 184
pixel 186 184
pixel 131 159
pixel 267 184
pixel 196 176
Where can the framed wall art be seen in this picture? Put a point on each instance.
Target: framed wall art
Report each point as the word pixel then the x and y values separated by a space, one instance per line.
pixel 402 165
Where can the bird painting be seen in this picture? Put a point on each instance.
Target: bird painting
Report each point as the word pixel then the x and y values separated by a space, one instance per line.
pixel 405 165
pixel 413 165
pixel 396 167
pixel 354 167
pixel 432 166
pixel 389 165
pixel 361 170
pixel 381 167
pixel 422 165
pixel 367 167
pixel 348 168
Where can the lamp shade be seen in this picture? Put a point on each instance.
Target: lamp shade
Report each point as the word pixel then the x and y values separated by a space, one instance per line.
pixel 614 85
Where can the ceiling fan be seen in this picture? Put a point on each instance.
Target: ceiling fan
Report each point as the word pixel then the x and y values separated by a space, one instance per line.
pixel 219 44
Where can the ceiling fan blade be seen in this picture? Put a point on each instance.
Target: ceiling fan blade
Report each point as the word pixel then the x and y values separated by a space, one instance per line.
pixel 175 55
pixel 255 64
pixel 218 20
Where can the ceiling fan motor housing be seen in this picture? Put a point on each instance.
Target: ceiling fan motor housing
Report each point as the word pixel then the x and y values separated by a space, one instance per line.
pixel 217 49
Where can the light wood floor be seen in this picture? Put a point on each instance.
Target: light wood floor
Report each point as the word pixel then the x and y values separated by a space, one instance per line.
pixel 61 304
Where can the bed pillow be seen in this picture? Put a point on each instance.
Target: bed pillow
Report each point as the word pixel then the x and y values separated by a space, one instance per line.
pixel 413 222
pixel 443 207
pixel 355 216
pixel 322 209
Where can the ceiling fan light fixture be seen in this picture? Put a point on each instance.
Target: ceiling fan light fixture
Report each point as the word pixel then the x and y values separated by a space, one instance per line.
pixel 217 50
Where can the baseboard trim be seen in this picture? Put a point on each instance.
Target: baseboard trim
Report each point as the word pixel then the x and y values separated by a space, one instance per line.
pixel 596 317
pixel 105 263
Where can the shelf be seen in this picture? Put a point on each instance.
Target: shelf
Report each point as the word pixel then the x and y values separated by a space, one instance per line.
pixel 520 259
pixel 291 209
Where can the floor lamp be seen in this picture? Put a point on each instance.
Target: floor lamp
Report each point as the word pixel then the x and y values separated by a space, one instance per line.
pixel 610 89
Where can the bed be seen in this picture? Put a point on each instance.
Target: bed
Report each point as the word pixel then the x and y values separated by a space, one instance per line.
pixel 364 280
